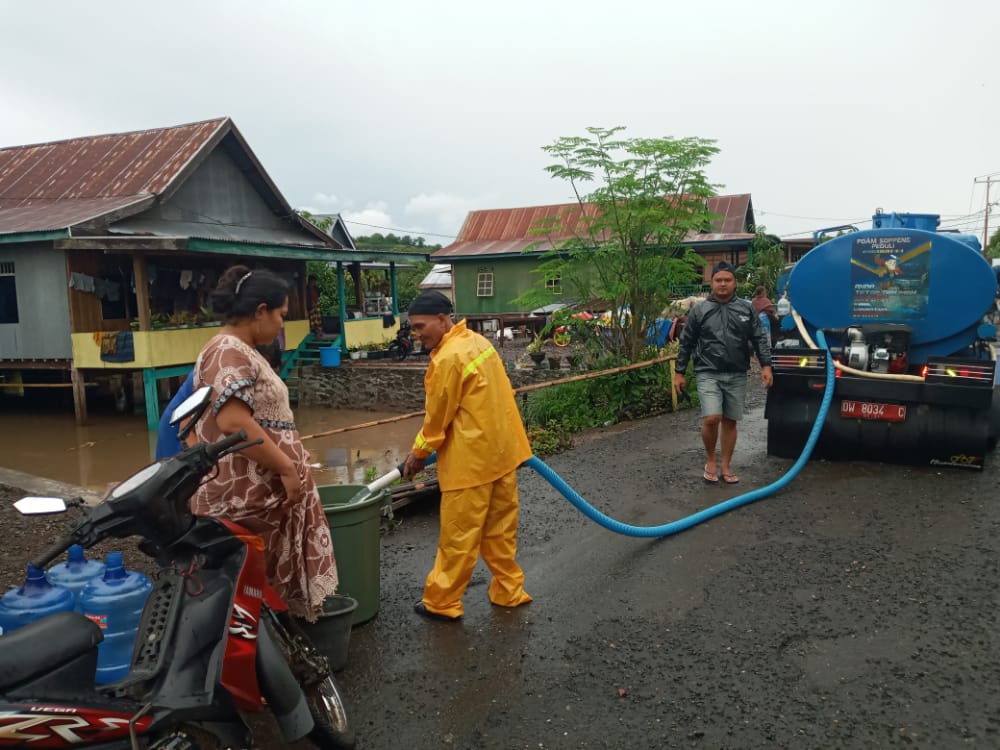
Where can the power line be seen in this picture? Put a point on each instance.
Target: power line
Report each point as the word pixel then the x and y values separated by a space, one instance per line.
pixel 395 229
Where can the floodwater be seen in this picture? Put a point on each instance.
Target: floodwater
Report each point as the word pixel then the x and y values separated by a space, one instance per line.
pixel 112 446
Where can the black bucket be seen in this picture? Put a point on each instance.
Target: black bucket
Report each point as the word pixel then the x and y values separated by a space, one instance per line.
pixel 331 633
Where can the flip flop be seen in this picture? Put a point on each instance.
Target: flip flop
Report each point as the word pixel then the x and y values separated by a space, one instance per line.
pixel 710 477
pixel 730 479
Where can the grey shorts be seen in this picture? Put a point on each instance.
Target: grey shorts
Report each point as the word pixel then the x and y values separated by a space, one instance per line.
pixel 722 393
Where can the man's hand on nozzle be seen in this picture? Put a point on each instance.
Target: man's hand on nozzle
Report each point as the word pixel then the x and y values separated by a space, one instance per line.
pixel 412 465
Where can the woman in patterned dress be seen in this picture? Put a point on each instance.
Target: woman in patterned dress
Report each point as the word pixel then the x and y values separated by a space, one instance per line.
pixel 267 488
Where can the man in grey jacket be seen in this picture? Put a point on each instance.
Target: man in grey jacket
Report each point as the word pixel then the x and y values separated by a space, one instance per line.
pixel 719 333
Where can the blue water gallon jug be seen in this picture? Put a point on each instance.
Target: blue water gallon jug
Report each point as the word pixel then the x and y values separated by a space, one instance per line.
pixel 36 599
pixel 76 572
pixel 114 601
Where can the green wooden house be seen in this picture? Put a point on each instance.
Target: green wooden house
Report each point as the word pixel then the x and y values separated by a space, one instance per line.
pixel 495 255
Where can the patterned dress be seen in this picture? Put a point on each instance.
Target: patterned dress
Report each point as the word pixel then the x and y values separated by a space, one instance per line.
pixel 298 545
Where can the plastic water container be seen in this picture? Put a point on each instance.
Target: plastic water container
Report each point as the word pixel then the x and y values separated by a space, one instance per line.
pixel 114 601
pixel 36 599
pixel 76 572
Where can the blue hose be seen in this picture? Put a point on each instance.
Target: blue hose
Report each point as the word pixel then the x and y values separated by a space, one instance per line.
pixel 694 519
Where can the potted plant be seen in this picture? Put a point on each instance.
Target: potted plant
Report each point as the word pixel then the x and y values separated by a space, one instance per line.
pixel 534 349
pixel 555 361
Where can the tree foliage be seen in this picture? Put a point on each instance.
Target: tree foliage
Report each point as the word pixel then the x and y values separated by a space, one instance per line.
pixel 636 201
pixel 407 279
pixel 392 241
pixel 765 262
pixel 993 246
pixel 322 223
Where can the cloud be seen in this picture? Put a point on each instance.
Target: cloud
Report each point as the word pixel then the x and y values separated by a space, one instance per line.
pixel 442 212
pixel 374 217
pixel 327 202
pixel 435 216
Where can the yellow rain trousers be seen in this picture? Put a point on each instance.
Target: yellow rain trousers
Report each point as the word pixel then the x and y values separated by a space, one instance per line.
pixel 473 423
pixel 477 520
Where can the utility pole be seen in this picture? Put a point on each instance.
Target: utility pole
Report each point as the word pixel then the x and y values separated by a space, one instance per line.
pixel 986 218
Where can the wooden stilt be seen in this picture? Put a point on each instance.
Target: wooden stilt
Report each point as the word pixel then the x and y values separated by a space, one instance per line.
pixel 79 396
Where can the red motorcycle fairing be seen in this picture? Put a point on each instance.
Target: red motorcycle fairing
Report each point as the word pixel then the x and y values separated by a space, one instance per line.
pixel 58 726
pixel 239 664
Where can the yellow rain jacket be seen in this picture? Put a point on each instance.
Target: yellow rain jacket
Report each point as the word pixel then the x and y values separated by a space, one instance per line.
pixel 472 419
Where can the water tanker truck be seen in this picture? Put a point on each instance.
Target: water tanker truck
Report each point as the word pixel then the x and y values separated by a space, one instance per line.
pixel 907 313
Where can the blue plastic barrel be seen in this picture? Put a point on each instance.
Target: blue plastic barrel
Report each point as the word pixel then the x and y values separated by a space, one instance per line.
pixel 329 356
pixel 114 602
pixel 36 599
pixel 76 572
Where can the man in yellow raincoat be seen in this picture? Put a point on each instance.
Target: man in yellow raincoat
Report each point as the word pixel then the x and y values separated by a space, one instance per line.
pixel 473 424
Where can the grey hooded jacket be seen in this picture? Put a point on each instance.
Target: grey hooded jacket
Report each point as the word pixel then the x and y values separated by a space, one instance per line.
pixel 719 336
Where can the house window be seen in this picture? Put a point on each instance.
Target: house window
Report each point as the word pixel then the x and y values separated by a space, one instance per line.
pixel 553 284
pixel 484 284
pixel 8 293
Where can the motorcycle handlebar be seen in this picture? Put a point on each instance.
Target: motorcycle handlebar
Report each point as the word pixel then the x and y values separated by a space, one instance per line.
pixel 217 449
pixel 54 551
pixel 84 531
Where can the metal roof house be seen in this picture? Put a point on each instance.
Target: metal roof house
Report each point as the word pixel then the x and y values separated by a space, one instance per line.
pixel 439 277
pixel 496 251
pixel 110 245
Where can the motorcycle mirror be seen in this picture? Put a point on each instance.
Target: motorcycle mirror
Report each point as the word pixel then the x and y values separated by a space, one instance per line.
pixel 191 409
pixel 33 506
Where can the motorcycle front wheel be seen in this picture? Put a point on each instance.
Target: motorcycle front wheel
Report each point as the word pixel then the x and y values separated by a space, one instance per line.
pixel 331 729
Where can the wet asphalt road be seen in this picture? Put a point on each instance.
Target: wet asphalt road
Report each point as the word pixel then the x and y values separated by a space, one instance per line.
pixel 857 608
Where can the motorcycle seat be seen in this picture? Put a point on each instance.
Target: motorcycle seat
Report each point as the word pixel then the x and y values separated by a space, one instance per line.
pixel 41 646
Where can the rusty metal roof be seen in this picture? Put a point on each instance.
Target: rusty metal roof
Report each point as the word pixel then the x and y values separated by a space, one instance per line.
pixel 736 213
pixel 43 216
pixel 106 178
pixel 509 231
pixel 101 166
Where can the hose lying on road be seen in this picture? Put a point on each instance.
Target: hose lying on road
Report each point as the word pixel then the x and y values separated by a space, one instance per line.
pixel 694 519
pixel 685 523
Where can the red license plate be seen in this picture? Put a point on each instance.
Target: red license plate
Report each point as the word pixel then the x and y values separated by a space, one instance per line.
pixel 869 410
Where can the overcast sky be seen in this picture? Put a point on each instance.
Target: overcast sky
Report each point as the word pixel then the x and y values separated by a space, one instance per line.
pixel 404 116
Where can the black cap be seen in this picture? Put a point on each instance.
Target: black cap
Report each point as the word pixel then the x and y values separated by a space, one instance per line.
pixel 723 266
pixel 431 302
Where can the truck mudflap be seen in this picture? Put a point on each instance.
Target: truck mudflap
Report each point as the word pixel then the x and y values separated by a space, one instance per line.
pixel 949 419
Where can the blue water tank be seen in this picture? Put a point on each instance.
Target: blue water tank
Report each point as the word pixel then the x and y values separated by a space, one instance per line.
pixel 36 599
pixel 76 572
pixel 934 282
pixel 114 601
pixel 894 220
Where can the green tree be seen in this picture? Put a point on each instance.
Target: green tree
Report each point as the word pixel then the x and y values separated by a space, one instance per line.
pixel 993 246
pixel 627 232
pixel 765 262
pixel 407 279
pixel 320 222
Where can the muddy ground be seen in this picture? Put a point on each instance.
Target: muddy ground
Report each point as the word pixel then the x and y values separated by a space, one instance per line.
pixel 856 608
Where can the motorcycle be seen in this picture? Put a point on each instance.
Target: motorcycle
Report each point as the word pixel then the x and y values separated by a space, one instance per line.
pixel 402 345
pixel 215 641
